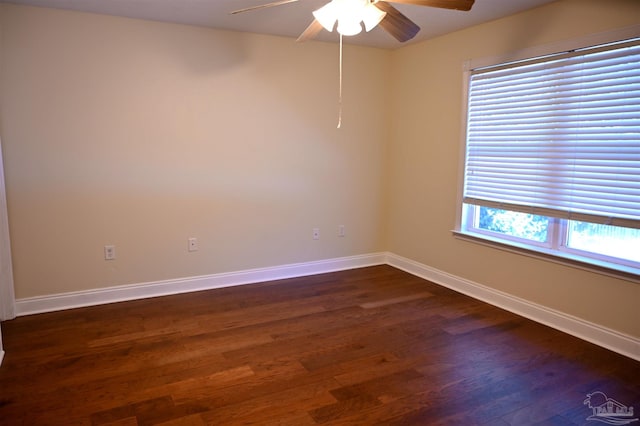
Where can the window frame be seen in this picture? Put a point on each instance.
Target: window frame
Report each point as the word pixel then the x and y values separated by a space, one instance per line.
pixel 555 249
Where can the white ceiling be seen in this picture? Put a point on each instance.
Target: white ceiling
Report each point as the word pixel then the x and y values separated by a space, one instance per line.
pixel 290 19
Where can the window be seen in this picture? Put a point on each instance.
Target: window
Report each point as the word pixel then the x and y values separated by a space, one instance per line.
pixel 553 155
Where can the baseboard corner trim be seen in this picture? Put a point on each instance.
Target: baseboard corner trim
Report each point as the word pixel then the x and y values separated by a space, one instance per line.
pixel 594 333
pixel 610 339
pixel 123 293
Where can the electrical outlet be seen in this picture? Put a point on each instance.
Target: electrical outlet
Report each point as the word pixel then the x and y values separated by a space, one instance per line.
pixel 341 232
pixel 109 252
pixel 316 233
pixel 193 244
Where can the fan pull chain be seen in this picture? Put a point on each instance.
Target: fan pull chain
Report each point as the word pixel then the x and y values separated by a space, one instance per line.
pixel 340 90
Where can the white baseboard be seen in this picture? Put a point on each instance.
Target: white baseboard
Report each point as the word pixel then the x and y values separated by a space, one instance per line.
pixel 1 347
pixel 602 336
pixel 58 302
pixel 585 330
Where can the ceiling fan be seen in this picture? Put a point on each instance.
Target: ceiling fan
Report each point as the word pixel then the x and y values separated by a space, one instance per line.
pixel 349 15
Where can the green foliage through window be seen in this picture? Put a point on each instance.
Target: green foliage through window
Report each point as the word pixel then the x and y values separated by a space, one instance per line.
pixel 521 225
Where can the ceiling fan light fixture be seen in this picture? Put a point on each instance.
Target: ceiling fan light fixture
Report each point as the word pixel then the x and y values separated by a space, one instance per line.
pixel 371 16
pixel 349 26
pixel 327 16
pixel 349 14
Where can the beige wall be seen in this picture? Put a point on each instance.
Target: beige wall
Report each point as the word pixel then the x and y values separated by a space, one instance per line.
pixel 425 151
pixel 142 134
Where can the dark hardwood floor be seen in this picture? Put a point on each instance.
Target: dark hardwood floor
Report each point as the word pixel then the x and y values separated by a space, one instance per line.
pixel 360 347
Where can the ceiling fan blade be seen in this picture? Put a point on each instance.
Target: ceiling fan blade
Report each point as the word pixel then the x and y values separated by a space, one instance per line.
pixel 445 4
pixel 396 24
pixel 312 30
pixel 262 6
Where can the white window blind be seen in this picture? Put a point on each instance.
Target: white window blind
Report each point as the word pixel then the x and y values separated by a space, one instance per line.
pixel 558 136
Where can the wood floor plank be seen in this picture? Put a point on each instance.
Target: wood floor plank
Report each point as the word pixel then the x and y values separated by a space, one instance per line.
pixel 287 403
pixel 393 300
pixel 366 346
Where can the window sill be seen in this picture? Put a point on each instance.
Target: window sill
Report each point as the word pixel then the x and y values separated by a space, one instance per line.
pixel 567 259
